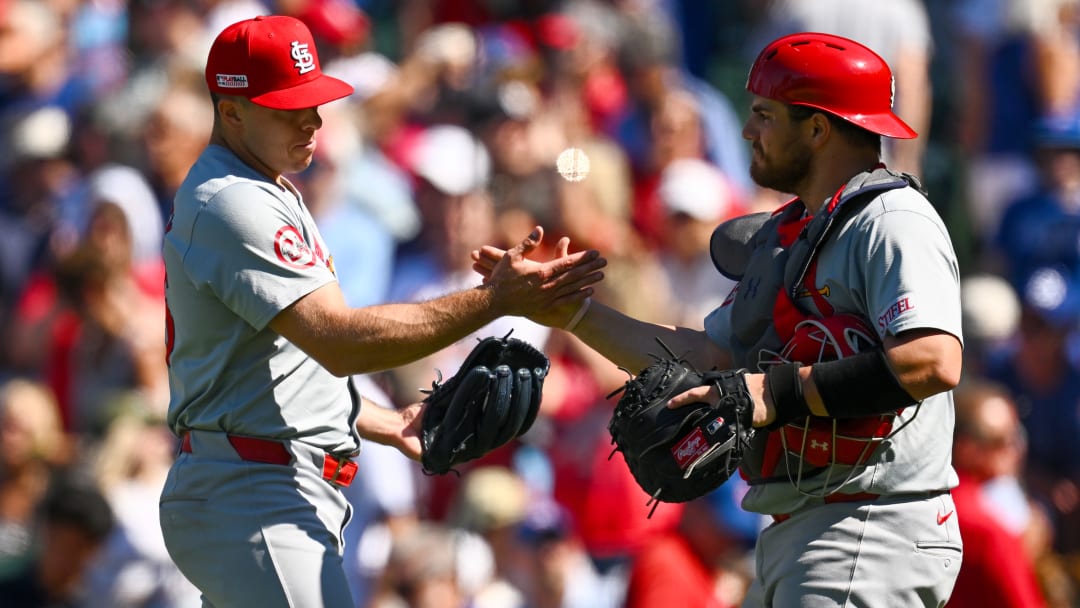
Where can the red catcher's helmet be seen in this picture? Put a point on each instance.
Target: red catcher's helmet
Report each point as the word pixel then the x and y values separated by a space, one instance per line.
pixel 832 74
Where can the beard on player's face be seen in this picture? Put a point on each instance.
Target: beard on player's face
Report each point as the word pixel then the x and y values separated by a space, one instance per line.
pixel 783 171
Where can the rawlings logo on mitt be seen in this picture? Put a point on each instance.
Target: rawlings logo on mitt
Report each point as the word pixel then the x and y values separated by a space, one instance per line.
pixel 494 397
pixel 680 454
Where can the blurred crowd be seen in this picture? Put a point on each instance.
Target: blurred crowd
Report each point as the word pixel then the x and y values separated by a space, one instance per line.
pixel 461 108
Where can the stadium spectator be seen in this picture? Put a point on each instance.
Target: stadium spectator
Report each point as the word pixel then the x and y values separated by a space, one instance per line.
pixel 1042 228
pixel 993 510
pixel 32 447
pixel 1041 374
pixel 695 198
pixel 75 522
pixel 705 561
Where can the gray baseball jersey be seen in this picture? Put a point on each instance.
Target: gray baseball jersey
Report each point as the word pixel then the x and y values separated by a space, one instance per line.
pixel 239 249
pixel 893 264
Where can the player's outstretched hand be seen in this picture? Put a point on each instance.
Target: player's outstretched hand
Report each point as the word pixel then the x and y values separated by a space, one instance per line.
pixel 547 292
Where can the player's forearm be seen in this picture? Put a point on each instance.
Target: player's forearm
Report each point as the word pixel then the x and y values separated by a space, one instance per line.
pixel 388 335
pixel 916 365
pixel 350 341
pixel 628 342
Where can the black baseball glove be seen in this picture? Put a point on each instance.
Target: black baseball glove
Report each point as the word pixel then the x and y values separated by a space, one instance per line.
pixel 680 454
pixel 493 398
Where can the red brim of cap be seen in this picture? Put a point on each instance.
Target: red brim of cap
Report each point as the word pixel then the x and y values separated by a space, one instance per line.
pixel 310 94
pixel 888 125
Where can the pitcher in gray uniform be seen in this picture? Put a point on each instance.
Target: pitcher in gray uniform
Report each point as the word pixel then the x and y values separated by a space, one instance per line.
pixel 847 314
pixel 261 343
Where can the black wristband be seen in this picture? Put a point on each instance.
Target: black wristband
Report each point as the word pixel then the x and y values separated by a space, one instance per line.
pixel 785 387
pixel 860 385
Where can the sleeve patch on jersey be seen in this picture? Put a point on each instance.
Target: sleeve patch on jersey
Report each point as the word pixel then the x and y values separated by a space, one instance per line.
pixel 292 249
pixel 895 311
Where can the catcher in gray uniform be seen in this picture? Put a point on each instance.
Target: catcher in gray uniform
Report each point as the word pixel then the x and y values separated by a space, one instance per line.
pixel 261 342
pixel 845 329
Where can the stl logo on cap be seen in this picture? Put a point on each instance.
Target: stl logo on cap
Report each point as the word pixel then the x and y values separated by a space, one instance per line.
pixel 305 61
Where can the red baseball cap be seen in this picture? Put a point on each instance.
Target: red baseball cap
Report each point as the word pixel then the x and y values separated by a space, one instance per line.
pixel 271 60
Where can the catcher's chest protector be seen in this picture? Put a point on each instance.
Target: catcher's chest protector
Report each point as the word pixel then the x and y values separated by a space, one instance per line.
pixel 767 322
pixel 764 311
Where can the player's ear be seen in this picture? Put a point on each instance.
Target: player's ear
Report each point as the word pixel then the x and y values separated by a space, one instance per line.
pixel 230 109
pixel 819 125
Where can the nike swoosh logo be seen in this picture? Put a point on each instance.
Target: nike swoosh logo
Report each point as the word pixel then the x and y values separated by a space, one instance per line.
pixel 943 518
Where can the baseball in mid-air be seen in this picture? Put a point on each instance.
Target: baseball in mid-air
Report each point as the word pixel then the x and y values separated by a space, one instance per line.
pixel 572 164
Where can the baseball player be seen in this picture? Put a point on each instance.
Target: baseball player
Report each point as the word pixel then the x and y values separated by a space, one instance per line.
pixel 261 343
pixel 847 313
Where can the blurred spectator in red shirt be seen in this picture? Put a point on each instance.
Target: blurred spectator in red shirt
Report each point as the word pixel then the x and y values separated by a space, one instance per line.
pixel 998 569
pixel 705 561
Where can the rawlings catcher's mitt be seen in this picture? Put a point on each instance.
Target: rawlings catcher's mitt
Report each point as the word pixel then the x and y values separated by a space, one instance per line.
pixel 494 397
pixel 680 454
